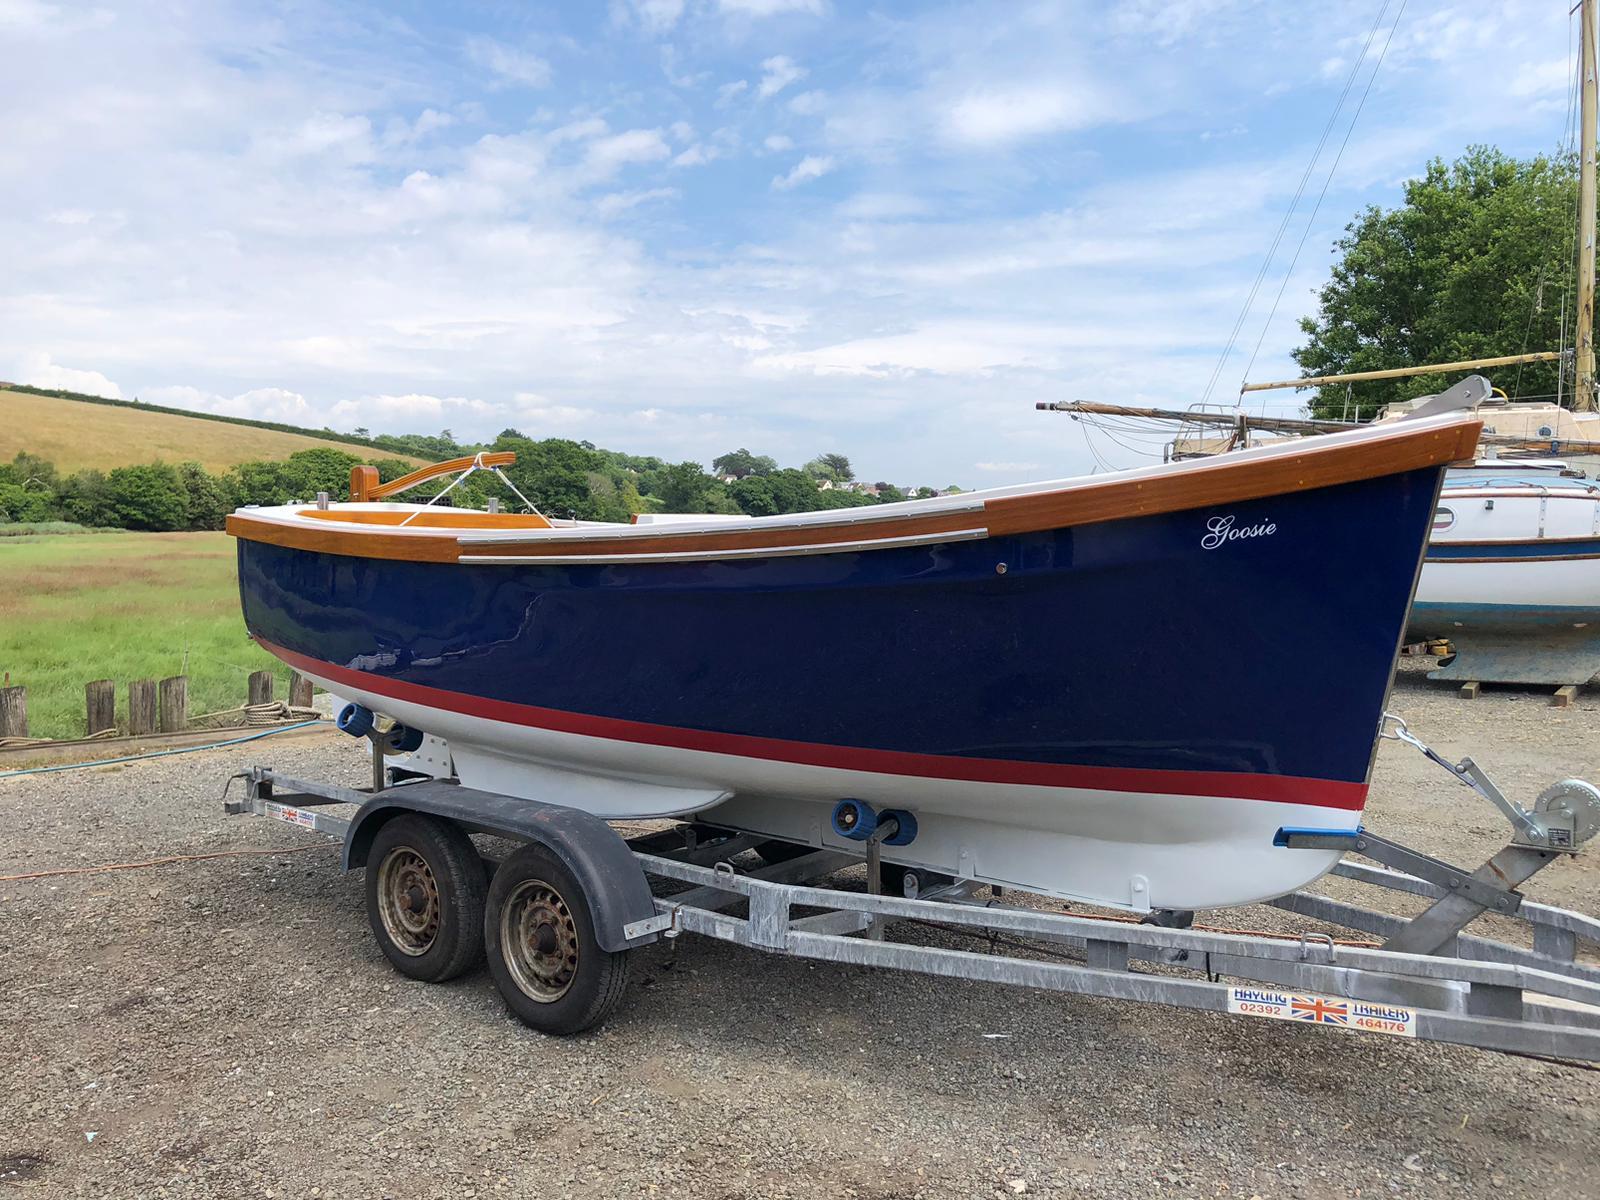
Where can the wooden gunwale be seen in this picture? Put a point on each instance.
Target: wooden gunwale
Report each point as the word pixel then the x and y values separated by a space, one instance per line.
pixel 1222 480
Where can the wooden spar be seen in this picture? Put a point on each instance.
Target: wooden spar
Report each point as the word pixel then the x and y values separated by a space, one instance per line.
pixel 1507 360
pixel 1583 399
pixel 1270 424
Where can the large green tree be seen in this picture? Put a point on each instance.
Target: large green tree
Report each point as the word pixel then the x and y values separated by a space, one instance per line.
pixel 1477 262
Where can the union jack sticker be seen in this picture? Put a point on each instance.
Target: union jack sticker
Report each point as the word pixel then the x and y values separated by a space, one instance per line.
pixel 1340 1012
pixel 1320 1010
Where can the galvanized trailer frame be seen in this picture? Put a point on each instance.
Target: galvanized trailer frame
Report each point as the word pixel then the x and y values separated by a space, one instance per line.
pixel 1534 999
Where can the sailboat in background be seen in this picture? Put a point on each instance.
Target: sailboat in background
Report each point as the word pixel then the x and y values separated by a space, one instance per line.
pixel 1512 572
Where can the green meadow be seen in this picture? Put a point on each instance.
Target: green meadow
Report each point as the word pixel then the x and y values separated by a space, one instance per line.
pixel 121 606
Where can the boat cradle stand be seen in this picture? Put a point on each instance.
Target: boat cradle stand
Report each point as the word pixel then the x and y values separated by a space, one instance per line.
pixel 1427 980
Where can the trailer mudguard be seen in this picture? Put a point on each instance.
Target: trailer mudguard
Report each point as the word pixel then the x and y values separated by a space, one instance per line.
pixel 613 882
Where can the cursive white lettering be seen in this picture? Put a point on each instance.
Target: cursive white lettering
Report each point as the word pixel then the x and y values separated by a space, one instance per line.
pixel 1221 530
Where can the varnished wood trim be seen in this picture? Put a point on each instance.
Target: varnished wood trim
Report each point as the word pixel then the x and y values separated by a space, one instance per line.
pixel 499 458
pixel 351 542
pixel 1225 480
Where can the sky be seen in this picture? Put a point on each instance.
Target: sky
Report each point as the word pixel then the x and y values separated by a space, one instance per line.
pixel 678 227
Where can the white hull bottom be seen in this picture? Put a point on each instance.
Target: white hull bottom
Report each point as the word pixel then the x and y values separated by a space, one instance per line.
pixel 1131 850
pixel 1563 587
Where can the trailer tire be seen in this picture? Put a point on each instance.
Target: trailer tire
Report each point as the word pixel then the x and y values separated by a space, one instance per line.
pixel 538 935
pixel 425 893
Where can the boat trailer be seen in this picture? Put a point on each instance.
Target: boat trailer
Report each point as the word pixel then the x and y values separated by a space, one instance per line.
pixel 557 918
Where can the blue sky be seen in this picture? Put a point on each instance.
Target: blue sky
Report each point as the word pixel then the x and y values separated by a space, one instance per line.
pixel 682 226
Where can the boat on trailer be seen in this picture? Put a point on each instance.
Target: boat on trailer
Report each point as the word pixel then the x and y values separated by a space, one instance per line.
pixel 1084 688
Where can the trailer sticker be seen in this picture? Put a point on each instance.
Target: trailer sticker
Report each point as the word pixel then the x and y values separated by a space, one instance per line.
pixel 295 816
pixel 1339 1011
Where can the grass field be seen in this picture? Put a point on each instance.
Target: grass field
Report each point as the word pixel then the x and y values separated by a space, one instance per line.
pixel 123 606
pixel 75 435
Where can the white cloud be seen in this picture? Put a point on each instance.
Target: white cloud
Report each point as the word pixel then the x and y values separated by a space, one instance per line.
pixel 812 166
pixel 621 202
pixel 881 206
pixel 1001 115
pixel 777 143
pixel 257 404
pixel 772 8
pixel 400 132
pixel 513 67
pixel 412 410
pixel 697 155
pixel 729 92
pixel 777 73
pixel 37 369
pixel 1550 77
pixel 606 156
pixel 50 20
pixel 656 16
pixel 676 77
pixel 808 104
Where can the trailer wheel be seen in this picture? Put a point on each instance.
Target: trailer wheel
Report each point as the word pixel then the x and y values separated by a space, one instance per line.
pixel 539 935
pixel 425 890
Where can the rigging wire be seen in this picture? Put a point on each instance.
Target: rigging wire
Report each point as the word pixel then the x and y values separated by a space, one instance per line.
pixel 1315 208
pixel 1565 147
pixel 1294 203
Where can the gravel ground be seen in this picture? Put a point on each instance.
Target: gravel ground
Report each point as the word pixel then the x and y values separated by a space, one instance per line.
pixel 227 1028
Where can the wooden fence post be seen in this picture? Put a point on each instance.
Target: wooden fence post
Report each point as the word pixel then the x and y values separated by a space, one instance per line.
pixel 299 690
pixel 13 712
pixel 174 704
pixel 142 706
pixel 101 702
pixel 260 687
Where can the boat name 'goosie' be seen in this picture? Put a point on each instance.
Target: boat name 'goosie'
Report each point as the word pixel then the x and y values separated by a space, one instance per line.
pixel 1221 530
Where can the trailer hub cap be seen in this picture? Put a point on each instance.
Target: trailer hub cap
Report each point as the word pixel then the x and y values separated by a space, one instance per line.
pixel 408 901
pixel 539 939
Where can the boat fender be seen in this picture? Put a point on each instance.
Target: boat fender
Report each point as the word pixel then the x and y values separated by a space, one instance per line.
pixel 907 831
pixel 613 882
pixel 355 720
pixel 402 739
pixel 854 819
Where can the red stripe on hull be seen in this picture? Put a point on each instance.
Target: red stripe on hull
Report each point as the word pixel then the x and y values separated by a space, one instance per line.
pixel 1284 789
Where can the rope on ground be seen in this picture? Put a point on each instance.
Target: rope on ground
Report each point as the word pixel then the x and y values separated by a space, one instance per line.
pixel 164 861
pixel 106 762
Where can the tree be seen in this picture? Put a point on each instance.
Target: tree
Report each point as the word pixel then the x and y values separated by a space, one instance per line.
pixel 682 487
pixel 24 504
pixel 321 470
pixel 889 494
pixel 1476 263
pixel 740 463
pixel 147 497
pixel 830 466
pixel 86 499
pixel 206 500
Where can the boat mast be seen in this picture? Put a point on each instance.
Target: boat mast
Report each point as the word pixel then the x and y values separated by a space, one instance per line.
pixel 1583 399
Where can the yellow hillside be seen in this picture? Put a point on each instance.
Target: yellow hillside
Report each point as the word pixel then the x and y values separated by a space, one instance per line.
pixel 74 434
